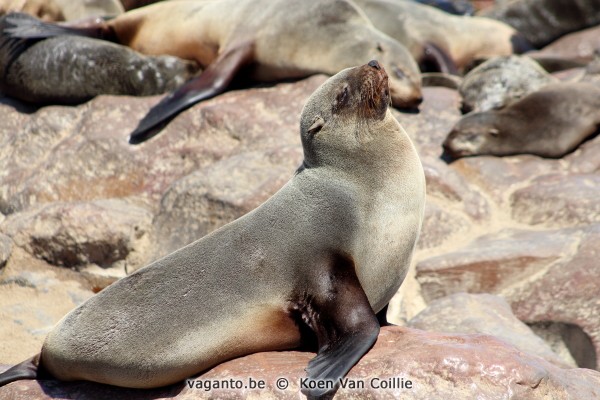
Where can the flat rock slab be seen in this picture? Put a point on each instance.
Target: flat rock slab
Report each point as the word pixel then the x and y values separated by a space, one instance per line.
pixel 487 314
pixel 558 200
pixel 102 232
pixel 437 366
pixel 494 262
pixel 546 276
pixel 81 153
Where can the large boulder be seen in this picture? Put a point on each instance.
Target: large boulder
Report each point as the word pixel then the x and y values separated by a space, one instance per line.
pixel 546 276
pixel 487 314
pixel 108 233
pixel 404 363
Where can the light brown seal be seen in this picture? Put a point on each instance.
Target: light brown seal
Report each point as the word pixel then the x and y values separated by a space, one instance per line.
pixel 74 69
pixel 265 40
pixel 322 255
pixel 549 123
pixel 440 41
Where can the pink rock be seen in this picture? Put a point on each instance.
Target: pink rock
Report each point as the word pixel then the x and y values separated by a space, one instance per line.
pixel 436 365
pixel 558 200
pixel 493 262
pixel 81 153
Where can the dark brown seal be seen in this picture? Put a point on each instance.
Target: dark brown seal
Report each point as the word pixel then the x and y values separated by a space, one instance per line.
pixel 73 69
pixel 549 123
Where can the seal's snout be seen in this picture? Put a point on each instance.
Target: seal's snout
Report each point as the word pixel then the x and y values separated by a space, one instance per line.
pixel 374 64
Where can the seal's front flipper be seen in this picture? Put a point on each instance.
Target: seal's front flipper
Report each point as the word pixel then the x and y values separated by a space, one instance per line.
pixel 28 369
pixel 24 26
pixel 345 325
pixel 436 59
pixel 213 81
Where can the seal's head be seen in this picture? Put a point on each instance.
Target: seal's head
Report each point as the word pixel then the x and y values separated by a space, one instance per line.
pixel 475 134
pixel 342 114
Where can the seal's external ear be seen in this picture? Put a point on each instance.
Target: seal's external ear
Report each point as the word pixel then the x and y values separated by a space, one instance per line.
pixel 316 126
pixel 494 132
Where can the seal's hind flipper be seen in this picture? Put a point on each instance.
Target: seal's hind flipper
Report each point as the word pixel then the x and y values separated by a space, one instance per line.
pixel 345 325
pixel 24 26
pixel 28 369
pixel 211 82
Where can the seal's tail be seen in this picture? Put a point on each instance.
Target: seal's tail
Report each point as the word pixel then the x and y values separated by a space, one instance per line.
pixel 23 26
pixel 28 369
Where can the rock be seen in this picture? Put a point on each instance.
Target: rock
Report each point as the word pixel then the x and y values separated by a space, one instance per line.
pixel 436 365
pixel 558 200
pixel 585 159
pixel 445 183
pixel 213 196
pixel 109 233
pixel 439 225
pixel 546 277
pixel 34 296
pixel 81 153
pixel 437 115
pixel 5 249
pixel 487 314
pixel 562 339
pixel 500 176
pixel 567 293
pixel 493 262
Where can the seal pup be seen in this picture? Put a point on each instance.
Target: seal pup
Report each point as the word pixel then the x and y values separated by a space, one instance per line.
pixel 550 122
pixel 440 41
pixel 74 69
pixel 543 21
pixel 265 40
pixel 324 254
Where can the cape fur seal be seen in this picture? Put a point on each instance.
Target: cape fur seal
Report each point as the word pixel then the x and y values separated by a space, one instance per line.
pixel 549 123
pixel 73 69
pixel 543 21
pixel 325 253
pixel 267 40
pixel 440 41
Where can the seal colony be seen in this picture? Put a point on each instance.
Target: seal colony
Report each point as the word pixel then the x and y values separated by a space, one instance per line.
pixel 326 253
pixel 265 40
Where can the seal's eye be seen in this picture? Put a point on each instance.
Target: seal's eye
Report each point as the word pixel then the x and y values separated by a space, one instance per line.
pixel 379 48
pixel 494 132
pixel 342 97
pixel 398 72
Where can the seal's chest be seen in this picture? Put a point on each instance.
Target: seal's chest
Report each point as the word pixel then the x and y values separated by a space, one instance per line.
pixel 385 249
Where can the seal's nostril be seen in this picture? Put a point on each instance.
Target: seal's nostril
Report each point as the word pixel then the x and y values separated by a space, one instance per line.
pixel 374 64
